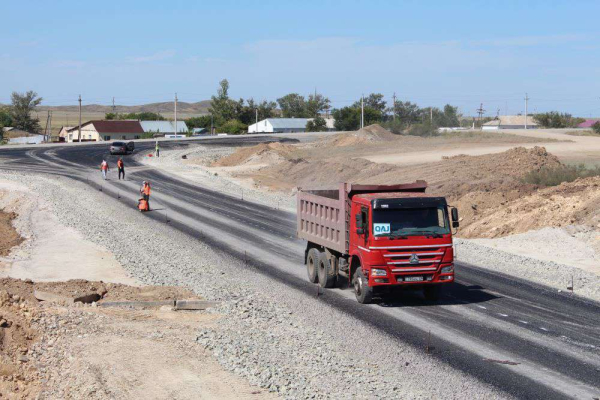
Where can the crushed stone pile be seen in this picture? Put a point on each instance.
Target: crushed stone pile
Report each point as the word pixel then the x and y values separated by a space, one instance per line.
pixel 369 134
pixel 263 153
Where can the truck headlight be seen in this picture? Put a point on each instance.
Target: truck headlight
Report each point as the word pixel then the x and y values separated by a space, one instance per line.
pixel 448 269
pixel 378 272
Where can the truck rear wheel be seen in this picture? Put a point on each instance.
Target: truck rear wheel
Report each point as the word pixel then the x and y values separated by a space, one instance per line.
pixel 312 262
pixel 362 290
pixel 325 273
pixel 432 292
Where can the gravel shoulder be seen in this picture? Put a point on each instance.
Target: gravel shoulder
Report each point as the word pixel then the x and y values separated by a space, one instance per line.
pixel 267 332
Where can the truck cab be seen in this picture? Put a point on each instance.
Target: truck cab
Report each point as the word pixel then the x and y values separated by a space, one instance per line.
pixel 379 237
pixel 400 239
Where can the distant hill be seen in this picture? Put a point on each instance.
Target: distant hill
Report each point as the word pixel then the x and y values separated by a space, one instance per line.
pixel 200 107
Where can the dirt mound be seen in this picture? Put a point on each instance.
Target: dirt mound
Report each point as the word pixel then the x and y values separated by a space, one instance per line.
pixel 369 134
pixel 9 237
pixel 17 335
pixel 567 204
pixel 263 153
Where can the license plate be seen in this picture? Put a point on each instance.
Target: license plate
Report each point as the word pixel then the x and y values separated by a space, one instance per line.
pixel 413 279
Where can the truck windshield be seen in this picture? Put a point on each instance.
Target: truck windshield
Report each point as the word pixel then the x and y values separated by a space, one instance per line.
pixel 410 221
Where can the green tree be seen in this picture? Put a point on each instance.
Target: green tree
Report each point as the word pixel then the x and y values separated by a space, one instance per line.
pixel 202 121
pixel 293 105
pixel 317 124
pixel 247 112
pixel 348 118
pixel 23 104
pixel 555 119
pixel 376 102
pixel 141 116
pixel 5 118
pixel 407 112
pixel 316 105
pixel 596 127
pixel 234 127
pixel 222 107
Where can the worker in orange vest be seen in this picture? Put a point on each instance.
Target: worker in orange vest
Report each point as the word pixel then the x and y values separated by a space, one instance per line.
pixel 121 168
pixel 104 168
pixel 145 191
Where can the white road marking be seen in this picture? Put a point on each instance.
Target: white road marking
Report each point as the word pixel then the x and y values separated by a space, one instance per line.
pixel 481 307
pixel 544 329
pixel 523 322
pixel 503 315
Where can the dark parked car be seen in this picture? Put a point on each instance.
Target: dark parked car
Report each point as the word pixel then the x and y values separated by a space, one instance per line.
pixel 122 148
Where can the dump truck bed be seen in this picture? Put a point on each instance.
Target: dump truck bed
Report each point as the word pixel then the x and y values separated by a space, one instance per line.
pixel 324 215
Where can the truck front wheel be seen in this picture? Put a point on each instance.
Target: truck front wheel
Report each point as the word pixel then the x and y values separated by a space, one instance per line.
pixel 362 290
pixel 326 275
pixel 312 262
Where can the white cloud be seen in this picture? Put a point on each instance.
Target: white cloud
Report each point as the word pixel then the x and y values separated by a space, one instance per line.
pixel 159 56
pixel 529 41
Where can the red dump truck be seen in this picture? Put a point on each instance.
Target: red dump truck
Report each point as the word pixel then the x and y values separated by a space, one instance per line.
pixel 378 237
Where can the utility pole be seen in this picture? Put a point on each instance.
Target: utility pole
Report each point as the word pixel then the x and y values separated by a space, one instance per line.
pixel 431 115
pixel 480 111
pixel 362 111
pixel 79 131
pixel 48 129
pixel 114 108
pixel 256 125
pixel 212 128
pixel 394 106
pixel 526 101
pixel 176 130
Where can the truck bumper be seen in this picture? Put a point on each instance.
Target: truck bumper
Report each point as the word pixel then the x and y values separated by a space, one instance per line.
pixel 444 274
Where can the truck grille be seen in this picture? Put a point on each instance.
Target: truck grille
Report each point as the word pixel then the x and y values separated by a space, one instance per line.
pixel 414 258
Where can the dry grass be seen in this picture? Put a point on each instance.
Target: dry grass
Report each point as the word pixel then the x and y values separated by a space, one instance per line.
pixel 582 133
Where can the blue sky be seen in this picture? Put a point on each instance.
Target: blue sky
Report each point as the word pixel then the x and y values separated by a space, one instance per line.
pixel 431 53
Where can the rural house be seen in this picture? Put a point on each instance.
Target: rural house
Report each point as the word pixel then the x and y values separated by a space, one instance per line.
pixel 588 123
pixel 164 127
pixel 285 125
pixel 17 136
pixel 94 131
pixel 510 122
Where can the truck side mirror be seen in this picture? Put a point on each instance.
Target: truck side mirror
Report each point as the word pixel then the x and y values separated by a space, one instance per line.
pixel 454 213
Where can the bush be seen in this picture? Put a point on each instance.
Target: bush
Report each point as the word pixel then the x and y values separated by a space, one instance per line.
pixel 395 126
pixel 556 176
pixel 596 127
pixel 425 129
pixel 234 127
pixel 317 124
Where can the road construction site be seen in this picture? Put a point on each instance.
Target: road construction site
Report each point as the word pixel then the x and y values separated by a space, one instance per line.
pixel 223 228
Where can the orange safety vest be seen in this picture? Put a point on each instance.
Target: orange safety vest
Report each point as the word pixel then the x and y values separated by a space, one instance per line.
pixel 120 163
pixel 104 166
pixel 147 190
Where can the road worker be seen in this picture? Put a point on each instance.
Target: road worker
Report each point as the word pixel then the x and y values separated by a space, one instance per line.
pixel 145 191
pixel 157 149
pixel 104 168
pixel 121 167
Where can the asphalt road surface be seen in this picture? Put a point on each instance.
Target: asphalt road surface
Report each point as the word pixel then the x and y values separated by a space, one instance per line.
pixel 525 339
